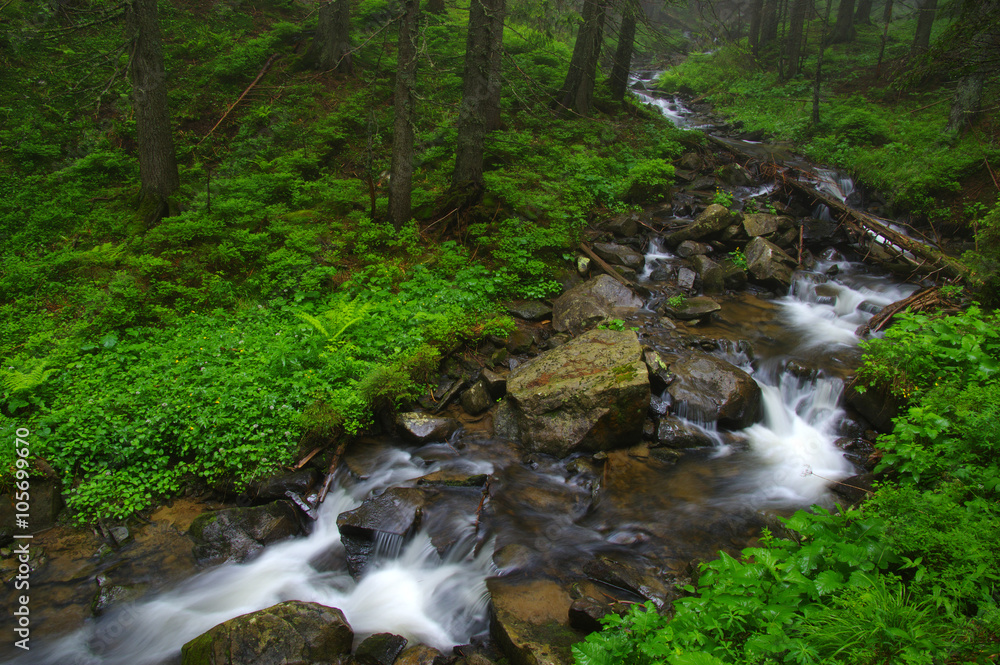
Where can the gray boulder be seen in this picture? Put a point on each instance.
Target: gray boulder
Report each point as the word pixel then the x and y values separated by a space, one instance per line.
pixel 421 427
pixel 237 534
pixel 291 632
pixel 588 395
pixel 768 264
pixel 587 304
pixel 708 389
pixel 711 273
pixel 690 309
pixel 619 255
pixel 713 219
pixel 762 224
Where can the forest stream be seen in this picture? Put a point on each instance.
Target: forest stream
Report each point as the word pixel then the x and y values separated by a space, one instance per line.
pixel 463 519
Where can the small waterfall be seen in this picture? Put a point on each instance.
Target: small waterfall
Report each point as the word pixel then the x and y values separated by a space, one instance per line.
pixel 408 590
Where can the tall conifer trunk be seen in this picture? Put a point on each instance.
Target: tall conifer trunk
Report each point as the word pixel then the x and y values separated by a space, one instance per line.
pixel 796 23
pixel 623 53
pixel 925 21
pixel 331 47
pixel 401 168
pixel 157 162
pixel 844 30
pixel 577 92
pixel 485 20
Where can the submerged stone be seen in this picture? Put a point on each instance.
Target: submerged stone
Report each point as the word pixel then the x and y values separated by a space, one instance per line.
pixel 530 621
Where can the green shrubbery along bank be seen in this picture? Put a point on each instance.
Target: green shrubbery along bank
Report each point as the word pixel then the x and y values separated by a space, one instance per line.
pixel 277 304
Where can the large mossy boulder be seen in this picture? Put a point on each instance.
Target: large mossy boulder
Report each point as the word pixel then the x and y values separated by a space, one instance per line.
pixel 237 534
pixel 590 394
pixel 708 389
pixel 585 305
pixel 291 632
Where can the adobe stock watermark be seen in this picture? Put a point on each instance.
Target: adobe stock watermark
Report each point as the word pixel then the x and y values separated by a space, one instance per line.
pixel 22 537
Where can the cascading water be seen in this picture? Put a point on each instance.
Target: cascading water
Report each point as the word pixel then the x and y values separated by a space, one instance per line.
pixel 414 594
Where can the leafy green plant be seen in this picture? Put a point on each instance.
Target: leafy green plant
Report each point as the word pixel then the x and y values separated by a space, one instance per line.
pixel 722 198
pixel 739 258
pixel 677 301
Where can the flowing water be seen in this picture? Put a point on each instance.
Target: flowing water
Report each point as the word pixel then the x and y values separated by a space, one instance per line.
pixel 550 516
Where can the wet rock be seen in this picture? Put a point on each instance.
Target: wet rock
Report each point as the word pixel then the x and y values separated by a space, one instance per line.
pixel 505 421
pixel 453 478
pixel 675 433
pixel 496 383
pixel 690 248
pixel 588 395
pixel 658 368
pixel 583 265
pixel 588 304
pixel 635 575
pixel 476 399
pixel 733 276
pixel 822 231
pixel 290 632
pixel 530 621
pixel 733 233
pixel 648 429
pixel 619 255
pixel 625 225
pixel 109 595
pixel 708 389
pixel 530 310
pixel 686 278
pixel 691 161
pixel 420 654
pixel 382 524
pixel 499 358
pixel 519 341
pixel 762 224
pixel 693 308
pixel 879 407
pixel 711 274
pixel 421 427
pixel 852 491
pixel 628 273
pixel 768 264
pixel 446 391
pixel 274 488
pixel 380 649
pixel 734 175
pixel 585 615
pixel 714 219
pixel 237 534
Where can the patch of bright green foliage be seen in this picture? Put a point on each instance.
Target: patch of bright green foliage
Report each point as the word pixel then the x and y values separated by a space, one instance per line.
pixel 912 576
pixel 278 284
pixel 888 141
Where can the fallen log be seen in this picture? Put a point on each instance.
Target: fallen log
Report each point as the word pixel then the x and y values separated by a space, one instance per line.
pixel 923 300
pixel 607 268
pixel 863 224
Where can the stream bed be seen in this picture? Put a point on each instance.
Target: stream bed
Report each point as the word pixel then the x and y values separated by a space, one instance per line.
pixel 565 529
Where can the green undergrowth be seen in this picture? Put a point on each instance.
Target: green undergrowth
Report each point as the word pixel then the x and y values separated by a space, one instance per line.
pixel 883 132
pixel 911 576
pixel 279 282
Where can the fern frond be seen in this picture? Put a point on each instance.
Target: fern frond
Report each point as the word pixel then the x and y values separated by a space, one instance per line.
pixel 15 381
pixel 314 322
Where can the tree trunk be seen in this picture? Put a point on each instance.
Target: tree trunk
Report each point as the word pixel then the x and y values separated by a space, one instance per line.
pixel 819 64
pixel 925 21
pixel 886 18
pixel 485 19
pixel 756 20
pixel 331 47
pixel 864 13
pixel 577 92
pixel 796 23
pixel 435 6
pixel 844 31
pixel 967 102
pixel 623 54
pixel 491 114
pixel 401 168
pixel 769 23
pixel 157 162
